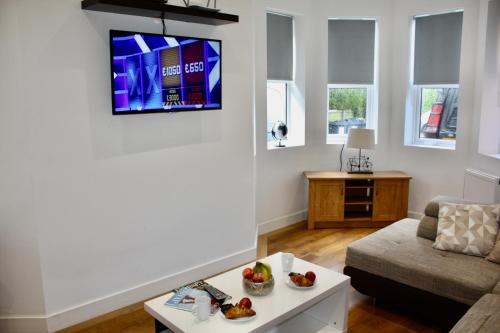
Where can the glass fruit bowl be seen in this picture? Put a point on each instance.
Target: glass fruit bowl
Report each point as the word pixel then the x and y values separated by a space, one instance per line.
pixel 258 289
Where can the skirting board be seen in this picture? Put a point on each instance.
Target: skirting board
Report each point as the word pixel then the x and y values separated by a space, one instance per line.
pixel 109 303
pixel 139 293
pixel 287 220
pixel 281 222
pixel 415 215
pixel 23 324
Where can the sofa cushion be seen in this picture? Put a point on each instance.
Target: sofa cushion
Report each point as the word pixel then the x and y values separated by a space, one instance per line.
pixel 427 228
pixel 396 253
pixel 496 289
pixel 494 255
pixel 483 317
pixel 432 208
pixel 468 229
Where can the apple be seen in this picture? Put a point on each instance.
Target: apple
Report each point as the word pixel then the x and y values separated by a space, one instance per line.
pixel 245 302
pixel 258 278
pixel 310 276
pixel 248 273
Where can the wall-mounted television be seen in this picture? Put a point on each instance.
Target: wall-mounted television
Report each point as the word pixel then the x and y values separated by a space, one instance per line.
pixel 159 73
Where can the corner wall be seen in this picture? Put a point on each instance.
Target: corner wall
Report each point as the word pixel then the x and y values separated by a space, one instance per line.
pixel 477 160
pixel 21 288
pixel 437 171
pixel 281 191
pixel 281 188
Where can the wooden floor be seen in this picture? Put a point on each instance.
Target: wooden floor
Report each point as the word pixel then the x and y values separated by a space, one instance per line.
pixel 326 247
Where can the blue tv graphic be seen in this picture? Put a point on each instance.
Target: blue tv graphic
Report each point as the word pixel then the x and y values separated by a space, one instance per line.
pixel 156 73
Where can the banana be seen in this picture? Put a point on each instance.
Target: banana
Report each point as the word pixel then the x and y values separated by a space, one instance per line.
pixel 268 267
pixel 265 269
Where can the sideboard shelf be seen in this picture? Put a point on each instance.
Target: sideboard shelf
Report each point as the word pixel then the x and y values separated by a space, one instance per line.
pixel 358 186
pixel 157 9
pixel 359 202
pixel 339 199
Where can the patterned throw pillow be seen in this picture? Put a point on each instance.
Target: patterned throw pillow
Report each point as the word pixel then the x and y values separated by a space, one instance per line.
pixel 468 229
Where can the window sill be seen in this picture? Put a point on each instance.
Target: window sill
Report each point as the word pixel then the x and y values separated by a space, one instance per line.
pixel 495 156
pixel 439 147
pixel 340 140
pixel 271 145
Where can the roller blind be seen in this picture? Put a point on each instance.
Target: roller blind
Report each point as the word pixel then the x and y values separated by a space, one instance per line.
pixel 279 47
pixel 351 51
pixel 438 40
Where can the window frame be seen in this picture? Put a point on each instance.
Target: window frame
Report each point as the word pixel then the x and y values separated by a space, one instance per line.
pixel 288 100
pixel 416 119
pixel 293 137
pixel 370 110
pixel 372 96
pixel 412 119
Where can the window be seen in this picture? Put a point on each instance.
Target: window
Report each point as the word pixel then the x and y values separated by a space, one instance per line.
pixel 277 105
pixel 280 70
pixel 347 106
pixel 433 114
pixel 437 108
pixel 351 77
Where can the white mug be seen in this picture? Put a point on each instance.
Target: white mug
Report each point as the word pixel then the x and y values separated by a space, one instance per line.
pixel 202 307
pixel 287 261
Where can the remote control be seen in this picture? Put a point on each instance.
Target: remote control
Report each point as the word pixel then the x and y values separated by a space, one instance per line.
pixel 216 293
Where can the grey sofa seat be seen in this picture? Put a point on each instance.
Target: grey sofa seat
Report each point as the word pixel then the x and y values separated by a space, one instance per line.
pixel 483 317
pixel 396 253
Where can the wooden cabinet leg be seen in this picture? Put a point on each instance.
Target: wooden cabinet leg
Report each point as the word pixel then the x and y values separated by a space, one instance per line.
pixel 310 222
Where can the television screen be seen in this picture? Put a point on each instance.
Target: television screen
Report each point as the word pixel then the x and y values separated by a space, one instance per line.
pixel 159 73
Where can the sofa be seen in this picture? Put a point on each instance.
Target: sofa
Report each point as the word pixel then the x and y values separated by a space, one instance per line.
pixel 398 265
pixel 482 317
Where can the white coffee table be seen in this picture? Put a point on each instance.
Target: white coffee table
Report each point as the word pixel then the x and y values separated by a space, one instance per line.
pixel 286 310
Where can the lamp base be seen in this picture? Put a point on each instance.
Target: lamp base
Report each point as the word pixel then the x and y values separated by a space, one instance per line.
pixel 360 172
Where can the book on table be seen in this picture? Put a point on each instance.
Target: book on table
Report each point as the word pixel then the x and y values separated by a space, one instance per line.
pixel 184 297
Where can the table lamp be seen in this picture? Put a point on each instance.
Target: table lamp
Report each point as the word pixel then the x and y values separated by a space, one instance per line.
pixel 361 138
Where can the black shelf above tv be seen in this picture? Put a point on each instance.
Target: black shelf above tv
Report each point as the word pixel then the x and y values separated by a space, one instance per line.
pixel 155 9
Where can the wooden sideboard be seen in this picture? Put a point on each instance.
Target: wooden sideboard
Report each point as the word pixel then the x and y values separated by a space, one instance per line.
pixel 339 199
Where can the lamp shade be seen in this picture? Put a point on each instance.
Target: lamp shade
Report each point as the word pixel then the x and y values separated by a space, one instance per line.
pixel 361 138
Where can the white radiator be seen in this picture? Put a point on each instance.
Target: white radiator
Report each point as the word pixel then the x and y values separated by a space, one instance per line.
pixel 481 187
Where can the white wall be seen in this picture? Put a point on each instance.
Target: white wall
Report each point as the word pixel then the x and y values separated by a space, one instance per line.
pixel 279 190
pixel 488 85
pixel 434 171
pixel 21 291
pixel 113 204
pixel 477 160
pixel 489 138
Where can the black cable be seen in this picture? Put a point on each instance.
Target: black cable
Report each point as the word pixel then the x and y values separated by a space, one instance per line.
pixel 341 160
pixel 163 24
